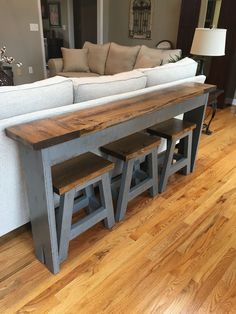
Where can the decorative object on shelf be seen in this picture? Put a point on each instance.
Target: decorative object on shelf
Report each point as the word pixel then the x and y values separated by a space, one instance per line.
pixel 6 75
pixel 140 21
pixel 208 42
pixel 54 11
pixel 164 44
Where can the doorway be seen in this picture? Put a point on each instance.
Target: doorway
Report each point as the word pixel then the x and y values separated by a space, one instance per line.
pixel 85 21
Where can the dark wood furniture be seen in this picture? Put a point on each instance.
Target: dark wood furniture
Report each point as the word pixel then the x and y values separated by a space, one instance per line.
pixel 54 47
pixel 46 142
pixel 212 104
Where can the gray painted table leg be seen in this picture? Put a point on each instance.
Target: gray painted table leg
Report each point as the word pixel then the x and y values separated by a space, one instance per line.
pixel 196 116
pixel 37 172
pixel 189 152
pixel 185 149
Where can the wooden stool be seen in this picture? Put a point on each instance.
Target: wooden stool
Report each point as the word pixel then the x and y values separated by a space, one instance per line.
pixel 129 150
pixel 79 174
pixel 174 130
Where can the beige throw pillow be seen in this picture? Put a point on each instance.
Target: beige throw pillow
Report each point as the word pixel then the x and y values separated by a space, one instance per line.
pixel 157 57
pixel 148 58
pixel 75 60
pixel 121 58
pixel 97 56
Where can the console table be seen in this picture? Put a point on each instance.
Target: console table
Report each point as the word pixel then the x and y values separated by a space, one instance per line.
pixel 46 142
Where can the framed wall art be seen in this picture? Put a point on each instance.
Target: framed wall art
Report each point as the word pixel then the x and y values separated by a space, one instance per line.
pixel 140 19
pixel 54 12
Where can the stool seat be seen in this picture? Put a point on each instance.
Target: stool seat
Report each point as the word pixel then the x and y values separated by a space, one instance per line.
pixel 131 146
pixel 172 128
pixel 76 171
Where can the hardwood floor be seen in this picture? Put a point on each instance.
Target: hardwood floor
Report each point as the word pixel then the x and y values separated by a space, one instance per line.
pixel 172 254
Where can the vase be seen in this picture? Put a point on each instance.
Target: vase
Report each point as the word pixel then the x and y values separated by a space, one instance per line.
pixel 6 76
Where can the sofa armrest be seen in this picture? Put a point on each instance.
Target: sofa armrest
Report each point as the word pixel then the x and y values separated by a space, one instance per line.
pixel 55 66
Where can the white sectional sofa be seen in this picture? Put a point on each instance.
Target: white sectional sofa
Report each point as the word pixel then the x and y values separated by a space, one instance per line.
pixel 60 95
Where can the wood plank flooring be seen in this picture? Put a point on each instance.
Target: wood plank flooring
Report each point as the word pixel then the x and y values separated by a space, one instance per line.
pixel 173 254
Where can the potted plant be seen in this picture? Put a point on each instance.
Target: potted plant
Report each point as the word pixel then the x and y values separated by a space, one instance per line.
pixel 6 77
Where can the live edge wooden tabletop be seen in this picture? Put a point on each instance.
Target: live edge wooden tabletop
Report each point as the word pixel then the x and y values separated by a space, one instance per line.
pixel 48 132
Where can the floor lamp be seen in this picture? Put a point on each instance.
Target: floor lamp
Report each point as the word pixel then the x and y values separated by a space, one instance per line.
pixel 208 42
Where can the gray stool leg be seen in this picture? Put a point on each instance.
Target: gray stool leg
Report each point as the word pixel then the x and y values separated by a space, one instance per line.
pixel 185 149
pixel 106 200
pixel 93 203
pixel 165 173
pixel 153 171
pixel 123 197
pixel 136 168
pixel 64 223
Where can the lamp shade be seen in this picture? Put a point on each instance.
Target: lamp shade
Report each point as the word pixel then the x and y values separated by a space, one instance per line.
pixel 209 42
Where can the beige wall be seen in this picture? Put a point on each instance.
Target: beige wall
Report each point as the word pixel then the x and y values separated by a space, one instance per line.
pixel 23 45
pixel 164 26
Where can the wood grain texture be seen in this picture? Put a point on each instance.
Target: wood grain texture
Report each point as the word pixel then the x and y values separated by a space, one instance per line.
pixel 51 131
pixel 76 171
pixel 131 146
pixel 171 128
pixel 175 253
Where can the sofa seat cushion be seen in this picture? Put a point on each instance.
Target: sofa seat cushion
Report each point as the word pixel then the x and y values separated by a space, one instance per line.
pixel 50 93
pixel 97 56
pixel 75 60
pixel 121 58
pixel 97 87
pixel 171 72
pixel 149 57
pixel 78 74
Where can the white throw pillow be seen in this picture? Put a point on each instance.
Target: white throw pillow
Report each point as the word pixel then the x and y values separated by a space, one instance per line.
pixel 50 93
pixel 170 72
pixel 97 87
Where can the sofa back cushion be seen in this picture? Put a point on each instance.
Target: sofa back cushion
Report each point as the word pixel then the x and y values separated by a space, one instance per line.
pixel 121 58
pixel 50 93
pixel 97 56
pixel 97 87
pixel 149 57
pixel 171 72
pixel 75 60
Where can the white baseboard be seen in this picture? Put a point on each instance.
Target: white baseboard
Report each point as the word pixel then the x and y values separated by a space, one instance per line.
pixel 231 101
